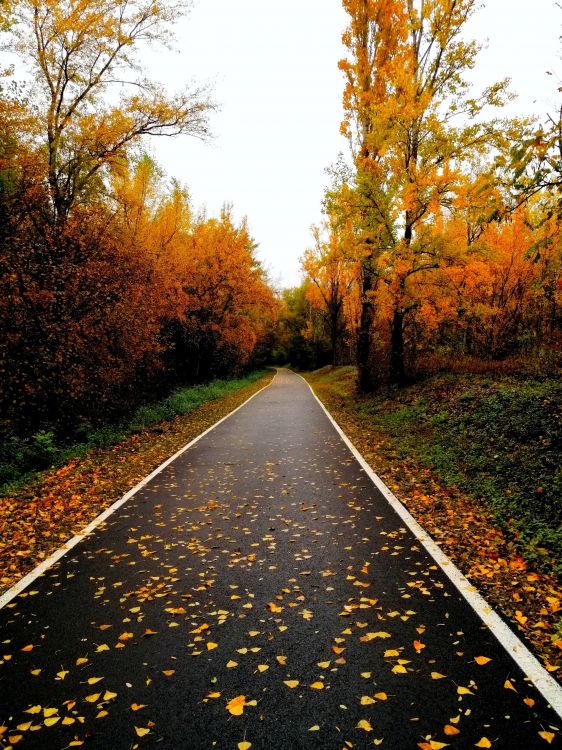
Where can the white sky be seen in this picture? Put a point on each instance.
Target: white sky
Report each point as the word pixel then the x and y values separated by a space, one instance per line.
pixel 275 75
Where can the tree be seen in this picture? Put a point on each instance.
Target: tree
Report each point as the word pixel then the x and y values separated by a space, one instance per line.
pixel 92 100
pixel 405 87
pixel 331 273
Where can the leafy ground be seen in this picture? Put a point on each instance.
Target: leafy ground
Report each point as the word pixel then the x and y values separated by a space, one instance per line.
pixel 38 514
pixel 477 462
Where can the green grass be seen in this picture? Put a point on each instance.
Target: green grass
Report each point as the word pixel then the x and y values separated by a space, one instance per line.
pixel 20 458
pixel 499 439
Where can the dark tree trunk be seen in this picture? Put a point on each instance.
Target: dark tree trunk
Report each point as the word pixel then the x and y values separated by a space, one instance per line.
pixel 365 381
pixel 397 368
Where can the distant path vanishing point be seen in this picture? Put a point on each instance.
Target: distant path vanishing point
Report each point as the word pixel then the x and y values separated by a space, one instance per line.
pixel 259 592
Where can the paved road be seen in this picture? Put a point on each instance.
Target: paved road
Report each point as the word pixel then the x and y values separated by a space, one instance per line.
pixel 262 563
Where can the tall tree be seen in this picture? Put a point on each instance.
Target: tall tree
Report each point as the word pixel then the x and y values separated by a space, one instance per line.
pixel 91 94
pixel 405 89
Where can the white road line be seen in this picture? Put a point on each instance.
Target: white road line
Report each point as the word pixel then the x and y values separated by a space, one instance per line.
pixel 24 582
pixel 524 659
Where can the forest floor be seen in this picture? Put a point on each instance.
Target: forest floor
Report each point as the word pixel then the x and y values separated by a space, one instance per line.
pixel 40 514
pixel 476 460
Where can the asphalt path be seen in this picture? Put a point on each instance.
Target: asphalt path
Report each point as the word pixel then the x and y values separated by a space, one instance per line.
pixel 259 593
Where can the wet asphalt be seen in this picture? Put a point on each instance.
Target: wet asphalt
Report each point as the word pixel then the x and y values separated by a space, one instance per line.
pixel 258 593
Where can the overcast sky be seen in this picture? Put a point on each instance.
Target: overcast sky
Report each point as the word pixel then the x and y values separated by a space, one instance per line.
pixel 275 74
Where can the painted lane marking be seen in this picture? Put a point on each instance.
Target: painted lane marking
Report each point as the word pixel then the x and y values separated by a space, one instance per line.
pixel 529 664
pixel 24 582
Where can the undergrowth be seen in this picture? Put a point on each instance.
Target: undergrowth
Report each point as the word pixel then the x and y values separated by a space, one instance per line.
pixel 21 457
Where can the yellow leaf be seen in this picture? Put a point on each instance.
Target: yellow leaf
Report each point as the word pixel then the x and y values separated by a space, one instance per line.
pixel 291 683
pixel 315 728
pixel 236 705
pixel 484 742
pixel 324 664
pixel 108 695
pixel 168 672
pixel 366 675
pixel 50 712
pixel 93 680
pixel 23 727
pixel 51 721
pixel 399 669
pixel 366 700
pixel 102 647
pixel 317 685
pixel 464 691
pixel 101 714
pixel 75 743
pixel 14 738
pixel 391 652
pixel 92 698
pixel 33 710
pixel 211 646
pixel 35 672
pixel 28 648
pixel 141 731
pixel 281 660
pixel 437 676
pixel 419 646
pixel 451 730
pixel 81 660
pixel 548 736
pixel 509 686
pixel 263 667
pixel 244 745
pixel 230 664
pixel 365 725
pixel 482 660
pixel 381 696
pixel 68 720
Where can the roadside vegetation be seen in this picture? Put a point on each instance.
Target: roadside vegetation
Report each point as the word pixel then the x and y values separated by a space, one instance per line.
pixel 39 513
pixel 476 459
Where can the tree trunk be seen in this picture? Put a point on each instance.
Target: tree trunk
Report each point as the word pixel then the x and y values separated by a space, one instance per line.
pixel 365 381
pixel 397 369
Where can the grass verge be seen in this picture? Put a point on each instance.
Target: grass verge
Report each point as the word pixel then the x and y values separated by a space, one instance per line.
pixel 476 461
pixel 21 458
pixel 41 511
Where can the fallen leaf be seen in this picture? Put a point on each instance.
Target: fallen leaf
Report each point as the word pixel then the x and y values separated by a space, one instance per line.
pixel 484 742
pixel 317 685
pixel 365 725
pixel 291 683
pixel 482 660
pixel 236 705
pixel 548 736
pixel 141 731
pixel 450 730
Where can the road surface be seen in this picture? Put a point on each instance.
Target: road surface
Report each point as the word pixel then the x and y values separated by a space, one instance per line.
pixel 258 593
